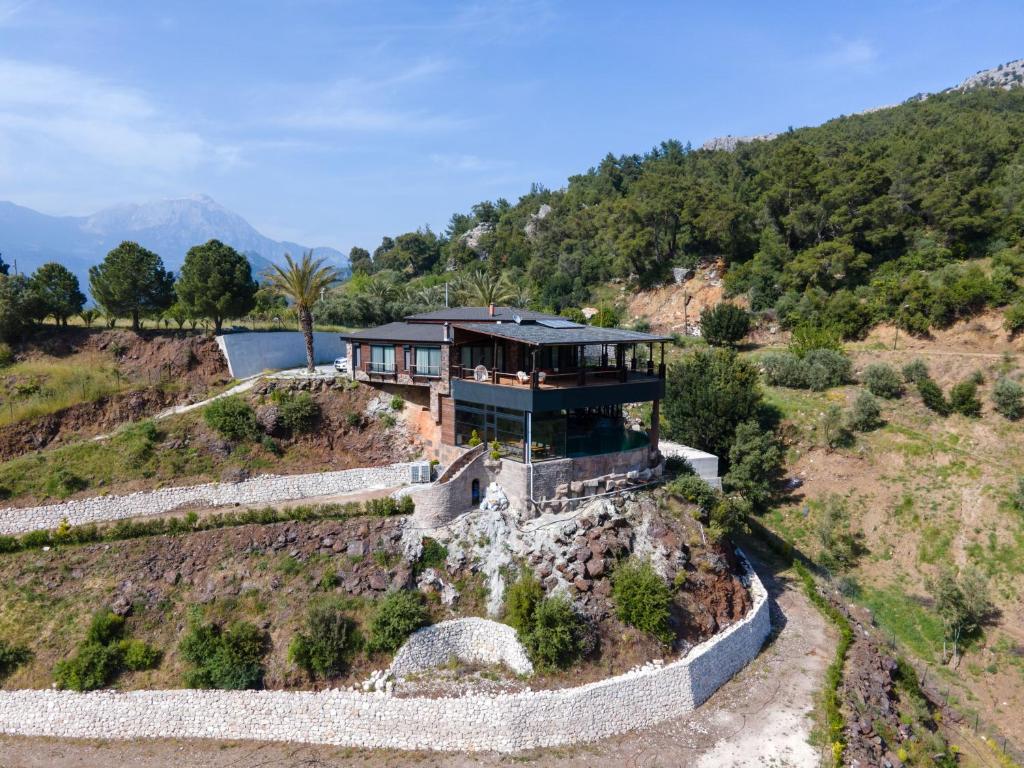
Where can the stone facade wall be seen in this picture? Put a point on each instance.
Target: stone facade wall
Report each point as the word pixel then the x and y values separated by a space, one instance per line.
pixel 265 489
pixel 441 502
pixel 510 723
pixel 471 640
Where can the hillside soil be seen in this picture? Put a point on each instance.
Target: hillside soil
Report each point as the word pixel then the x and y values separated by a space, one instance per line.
pixel 925 491
pixel 761 717
pixel 106 378
pixel 269 574
pixel 352 431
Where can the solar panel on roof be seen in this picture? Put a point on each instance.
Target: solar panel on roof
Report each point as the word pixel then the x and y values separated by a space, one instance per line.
pixel 559 324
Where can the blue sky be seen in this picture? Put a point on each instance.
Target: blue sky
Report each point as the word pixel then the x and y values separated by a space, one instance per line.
pixel 333 123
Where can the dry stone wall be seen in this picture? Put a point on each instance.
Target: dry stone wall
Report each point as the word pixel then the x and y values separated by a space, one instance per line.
pixel 505 723
pixel 472 640
pixel 265 489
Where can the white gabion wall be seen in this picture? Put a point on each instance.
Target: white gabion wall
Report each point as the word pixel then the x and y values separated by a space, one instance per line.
pixel 469 640
pixel 506 723
pixel 265 489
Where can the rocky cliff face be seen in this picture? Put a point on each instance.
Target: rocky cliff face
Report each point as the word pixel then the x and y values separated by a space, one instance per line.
pixel 1008 75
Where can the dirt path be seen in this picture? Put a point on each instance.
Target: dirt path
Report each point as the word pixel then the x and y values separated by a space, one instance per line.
pixel 760 718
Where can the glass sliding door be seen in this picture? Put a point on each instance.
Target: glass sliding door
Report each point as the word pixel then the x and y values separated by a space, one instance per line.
pixel 382 358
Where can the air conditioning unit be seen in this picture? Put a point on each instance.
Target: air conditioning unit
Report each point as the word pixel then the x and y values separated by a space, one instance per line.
pixel 420 472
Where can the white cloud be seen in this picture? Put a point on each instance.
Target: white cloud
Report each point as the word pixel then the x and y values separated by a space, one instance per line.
pixel 463 162
pixel 61 110
pixel 850 54
pixel 354 103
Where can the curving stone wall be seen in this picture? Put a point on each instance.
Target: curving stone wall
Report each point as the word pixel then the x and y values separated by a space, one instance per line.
pixel 265 489
pixel 509 723
pixel 472 640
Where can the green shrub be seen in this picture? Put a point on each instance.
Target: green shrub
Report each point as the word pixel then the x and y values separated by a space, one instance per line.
pixel 915 370
pixel 553 640
pixel 433 554
pixel 963 398
pixel 642 599
pixel 932 397
pixel 324 647
pixel 695 490
pixel 724 324
pixel 6 356
pixel 397 616
pixel 728 516
pixel 106 628
pixel 1008 398
pixel 387 421
pixel 93 666
pixel 232 418
pixel 1017 497
pixel 1013 318
pixel 63 482
pixel 818 369
pixel 865 414
pixel 353 419
pixel 474 439
pixel 103 655
pixel 299 413
pixel 397 403
pixel 882 381
pixel 756 462
pixel 521 599
pixel 11 657
pixel 228 658
pixel 139 656
pixel 808 337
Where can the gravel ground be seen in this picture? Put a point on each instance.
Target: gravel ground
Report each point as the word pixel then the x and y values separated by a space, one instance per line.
pixel 760 718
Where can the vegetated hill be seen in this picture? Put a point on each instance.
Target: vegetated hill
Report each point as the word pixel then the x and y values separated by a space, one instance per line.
pixel 168 227
pixel 924 492
pixel 913 213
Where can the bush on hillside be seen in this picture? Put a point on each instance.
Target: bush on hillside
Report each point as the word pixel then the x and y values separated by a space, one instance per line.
pixel 756 462
pixel 882 381
pixel 1013 318
pixel 398 615
pixel 11 657
pixel 865 415
pixel 696 491
pixel 932 396
pixel 724 324
pixel 299 413
pixel 232 417
pixel 325 645
pixel 554 637
pixel 818 369
pixel 1008 398
pixel 963 398
pixel 521 599
pixel 729 516
pixel 228 658
pixel 915 371
pixel 709 394
pixel 642 599
pixel 103 655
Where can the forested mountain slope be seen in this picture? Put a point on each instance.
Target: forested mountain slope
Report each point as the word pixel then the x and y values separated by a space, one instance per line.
pixel 912 214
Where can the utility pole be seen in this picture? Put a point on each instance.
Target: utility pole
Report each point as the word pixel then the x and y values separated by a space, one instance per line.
pixel 446 294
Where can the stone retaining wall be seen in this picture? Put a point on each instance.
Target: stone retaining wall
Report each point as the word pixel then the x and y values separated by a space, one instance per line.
pixel 265 489
pixel 471 640
pixel 508 723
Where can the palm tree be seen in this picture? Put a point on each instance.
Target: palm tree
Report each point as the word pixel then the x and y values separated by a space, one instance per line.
pixel 481 288
pixel 301 282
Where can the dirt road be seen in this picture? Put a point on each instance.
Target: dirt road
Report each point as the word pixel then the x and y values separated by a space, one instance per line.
pixel 760 718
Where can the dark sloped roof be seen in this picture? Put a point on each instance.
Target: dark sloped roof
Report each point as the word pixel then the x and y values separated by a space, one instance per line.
pixel 539 335
pixel 478 314
pixel 421 332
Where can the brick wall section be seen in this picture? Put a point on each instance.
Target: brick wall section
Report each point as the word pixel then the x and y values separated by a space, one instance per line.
pixel 509 723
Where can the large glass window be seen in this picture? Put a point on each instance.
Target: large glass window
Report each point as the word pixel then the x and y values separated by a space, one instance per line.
pixel 582 432
pixel 506 426
pixel 428 361
pixel 382 359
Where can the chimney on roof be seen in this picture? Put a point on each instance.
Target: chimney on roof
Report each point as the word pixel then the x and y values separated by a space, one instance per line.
pixel 446 339
pixel 490 310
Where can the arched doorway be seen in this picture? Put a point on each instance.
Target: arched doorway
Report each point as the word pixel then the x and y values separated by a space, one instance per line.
pixel 475 490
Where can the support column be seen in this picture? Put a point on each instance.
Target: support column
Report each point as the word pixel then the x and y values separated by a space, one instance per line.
pixel 527 455
pixel 655 432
